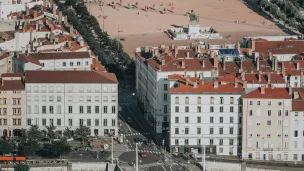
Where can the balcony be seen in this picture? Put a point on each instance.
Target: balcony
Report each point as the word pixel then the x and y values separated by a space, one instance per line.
pixel 267 149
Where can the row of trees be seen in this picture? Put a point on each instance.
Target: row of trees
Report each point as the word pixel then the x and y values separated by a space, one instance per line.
pixel 46 143
pixel 109 51
pixel 289 11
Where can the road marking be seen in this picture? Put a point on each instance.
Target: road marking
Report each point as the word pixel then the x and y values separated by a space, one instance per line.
pixel 171 167
pixel 162 167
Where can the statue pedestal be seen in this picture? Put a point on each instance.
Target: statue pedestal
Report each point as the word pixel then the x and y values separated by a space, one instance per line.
pixel 193 29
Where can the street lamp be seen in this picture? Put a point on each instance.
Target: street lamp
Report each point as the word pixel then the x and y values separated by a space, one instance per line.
pixel 136 155
pixel 204 153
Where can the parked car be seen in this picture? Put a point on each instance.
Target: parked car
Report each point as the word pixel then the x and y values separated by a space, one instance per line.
pixel 143 154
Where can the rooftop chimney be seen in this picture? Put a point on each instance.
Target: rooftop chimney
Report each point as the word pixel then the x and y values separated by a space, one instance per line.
pixel 188 54
pixel 253 45
pixel 260 76
pixel 272 86
pixel 298 65
pixel 187 81
pixel 269 78
pixel 163 62
pixel 172 46
pixel 175 51
pixel 224 64
pixel 235 83
pixel 283 70
pixel 156 52
pixel 201 75
pixel 162 46
pixel 295 95
pixel 243 75
pixel 244 84
pixel 195 84
pixel 2 82
pixel 275 64
pixel 166 50
pixel 183 63
pixel 54 9
pixel 215 61
pixel 203 63
pixel 81 43
pixel 35 14
pixel 215 84
pixel 27 10
pixel 238 46
pixel 290 91
pixel 71 30
pixel 262 90
pixel 258 63
pixel 197 49
pixel 60 17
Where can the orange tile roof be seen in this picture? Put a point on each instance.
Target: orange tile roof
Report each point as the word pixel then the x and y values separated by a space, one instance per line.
pixel 11 85
pixel 275 93
pixel 12 74
pixel 254 78
pixel 298 105
pixel 248 66
pixel 291 67
pixel 59 55
pixel 206 87
pixel 96 65
pixel 280 47
pixel 24 58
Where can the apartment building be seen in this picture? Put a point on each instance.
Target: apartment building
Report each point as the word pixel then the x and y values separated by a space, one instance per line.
pixel 267 124
pixel 72 98
pixel 297 126
pixel 205 113
pixel 12 105
pixel 153 65
pixel 293 73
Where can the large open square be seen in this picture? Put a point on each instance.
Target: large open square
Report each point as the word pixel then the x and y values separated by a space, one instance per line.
pixel 140 27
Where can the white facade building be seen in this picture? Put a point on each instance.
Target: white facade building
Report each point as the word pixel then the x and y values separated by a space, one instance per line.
pixel 205 113
pixel 72 98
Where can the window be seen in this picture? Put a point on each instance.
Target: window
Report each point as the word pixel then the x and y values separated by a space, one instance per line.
pixel 211 130
pixel 43 98
pixel 29 110
pixel 51 122
pixel 43 122
pixel 96 122
pixel 89 109
pixel 211 100
pixel 231 119
pixel 269 103
pixel 221 109
pixel 231 100
pixel 63 63
pixel 187 100
pixel 71 63
pixel 295 133
pixel 51 98
pixel 221 100
pixel 176 100
pixel 29 122
pixel 269 112
pixel 165 96
pixel 230 141
pixel 80 122
pixel 113 122
pixel 279 122
pixel 268 122
pixel 43 109
pixel 286 112
pixel 199 100
pixel 279 113
pixel 231 130
pixel 186 142
pixel 70 109
pixel 70 122
pixel 165 108
pixel 80 109
pixel 221 130
pixel 176 130
pixel 250 102
pixel 176 109
pixel 258 103
pixel 58 98
pixel 105 109
pixel 51 109
pixel 97 99
pixel 165 87
pixel 58 109
pixel 176 141
pixel 58 122
pixel 186 119
pixel 113 98
pixel 295 157
pixel 186 130
pixel 96 109
pixel 88 98
pixel 221 119
pixel 250 112
pixel 211 142
pixel 198 131
pixel 186 109
pixel 221 142
pixel 176 119
pixel 199 119
pixel 211 119
pixel 198 141
pixel 211 109
pixel 78 63
pixel 113 109
pixel 88 122
pixel 199 109
pixel 87 62
pixel 105 122
pixel 280 103
pixel 231 108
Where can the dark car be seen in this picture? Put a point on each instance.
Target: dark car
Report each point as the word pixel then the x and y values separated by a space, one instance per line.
pixel 130 120
pixel 137 140
pixel 147 142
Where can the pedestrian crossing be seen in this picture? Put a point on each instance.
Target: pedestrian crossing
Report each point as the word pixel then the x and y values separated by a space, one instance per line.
pixel 132 134
pixel 146 151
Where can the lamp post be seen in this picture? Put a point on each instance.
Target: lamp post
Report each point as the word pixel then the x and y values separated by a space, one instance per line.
pixel 203 153
pixel 136 153
pixel 112 158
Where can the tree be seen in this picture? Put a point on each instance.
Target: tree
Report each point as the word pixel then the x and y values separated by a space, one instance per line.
pixel 51 133
pixel 83 132
pixel 28 147
pixel 5 147
pixel 68 133
pixel 35 133
pixel 55 149
pixel 21 167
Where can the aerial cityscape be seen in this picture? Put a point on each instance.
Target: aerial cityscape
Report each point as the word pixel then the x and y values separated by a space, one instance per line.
pixel 152 85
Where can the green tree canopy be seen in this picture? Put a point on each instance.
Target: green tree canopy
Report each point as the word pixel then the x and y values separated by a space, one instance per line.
pixel 28 147
pixel 35 133
pixel 51 133
pixel 83 132
pixel 5 147
pixel 21 167
pixel 55 149
pixel 68 133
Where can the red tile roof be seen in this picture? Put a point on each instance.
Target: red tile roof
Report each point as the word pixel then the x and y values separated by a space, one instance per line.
pixel 275 93
pixel 280 47
pixel 20 74
pixel 69 77
pixel 11 85
pixel 27 59
pixel 96 65
pixel 274 78
pixel 291 67
pixel 206 87
pixel 298 105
